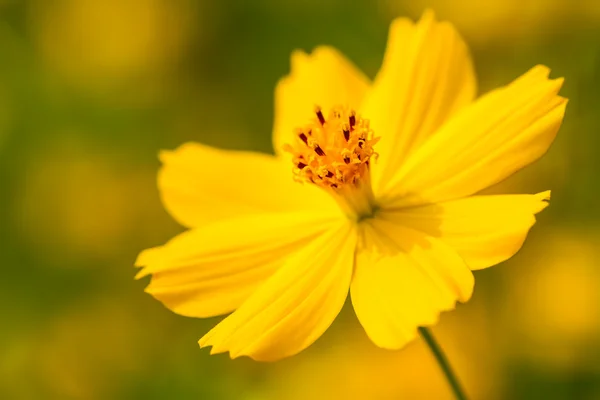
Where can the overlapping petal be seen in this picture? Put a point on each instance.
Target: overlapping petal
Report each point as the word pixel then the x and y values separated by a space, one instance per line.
pixel 403 279
pixel 295 306
pixel 426 77
pixel 483 144
pixel 199 184
pixel 484 230
pixel 213 269
pixel 325 78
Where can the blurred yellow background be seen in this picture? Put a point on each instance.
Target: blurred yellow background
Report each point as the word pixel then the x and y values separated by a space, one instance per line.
pixel 91 90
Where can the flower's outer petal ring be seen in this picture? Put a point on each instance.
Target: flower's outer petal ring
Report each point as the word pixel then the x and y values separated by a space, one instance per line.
pixel 484 230
pixel 325 78
pixel 199 184
pixel 295 306
pixel 497 135
pixel 426 77
pixel 403 279
pixel 212 270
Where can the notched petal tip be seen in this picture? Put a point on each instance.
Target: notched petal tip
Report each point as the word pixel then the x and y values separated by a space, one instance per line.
pixel 542 200
pixel 219 348
pixel 297 57
pixel 141 274
pixel 544 195
pixel 205 341
pixel 538 75
pixel 145 258
pixel 428 322
pixel 399 24
pixel 324 50
pixel 164 156
pixel 399 342
pixel 323 54
pixel 148 256
pixel 556 86
pixel 539 71
pixel 428 16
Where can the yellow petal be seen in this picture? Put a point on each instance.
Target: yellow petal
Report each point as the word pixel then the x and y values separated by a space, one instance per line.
pixel 324 78
pixel 200 184
pixel 295 306
pixel 483 144
pixel 426 77
pixel 484 230
pixel 213 269
pixel 402 280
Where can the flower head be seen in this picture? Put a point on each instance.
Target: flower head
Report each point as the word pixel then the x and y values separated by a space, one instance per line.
pixel 373 190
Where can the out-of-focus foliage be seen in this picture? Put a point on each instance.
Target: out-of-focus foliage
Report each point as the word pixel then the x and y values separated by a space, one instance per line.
pixel 90 90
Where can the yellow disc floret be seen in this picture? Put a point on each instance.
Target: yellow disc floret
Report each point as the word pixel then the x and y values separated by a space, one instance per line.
pixel 335 153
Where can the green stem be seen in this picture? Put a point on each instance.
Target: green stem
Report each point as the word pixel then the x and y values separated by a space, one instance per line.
pixel 443 362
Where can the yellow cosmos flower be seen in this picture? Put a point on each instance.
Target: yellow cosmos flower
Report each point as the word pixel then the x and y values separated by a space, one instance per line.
pixel 372 192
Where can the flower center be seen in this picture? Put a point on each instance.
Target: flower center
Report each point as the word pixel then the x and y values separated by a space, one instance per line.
pixel 335 154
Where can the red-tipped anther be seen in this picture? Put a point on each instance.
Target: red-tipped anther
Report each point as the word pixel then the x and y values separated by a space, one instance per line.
pixel 346 130
pixel 303 137
pixel 352 120
pixel 320 116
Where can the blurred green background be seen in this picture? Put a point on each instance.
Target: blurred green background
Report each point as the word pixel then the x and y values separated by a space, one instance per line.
pixel 90 90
